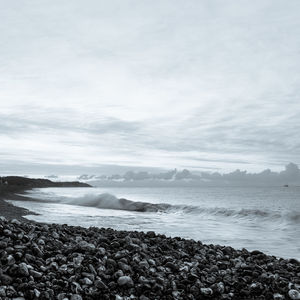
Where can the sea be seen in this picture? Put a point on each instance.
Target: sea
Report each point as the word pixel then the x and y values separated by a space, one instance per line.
pixel 255 218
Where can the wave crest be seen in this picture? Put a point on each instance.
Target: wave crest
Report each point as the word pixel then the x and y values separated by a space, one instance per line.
pixel 109 201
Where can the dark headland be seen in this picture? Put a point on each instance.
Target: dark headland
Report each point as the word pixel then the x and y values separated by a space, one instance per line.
pixel 42 261
pixel 12 186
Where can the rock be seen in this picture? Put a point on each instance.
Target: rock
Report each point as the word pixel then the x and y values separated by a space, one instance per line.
pixel 125 280
pixel 77 261
pixel 86 281
pixel 101 251
pixel 151 234
pixel 23 269
pixel 206 291
pixel 85 246
pixel 278 296
pixel 294 294
pixel 35 274
pixel 100 285
pixel 3 244
pixel 62 296
pixel 220 287
pixel 55 235
pixel 10 260
pixel 37 293
pixel 76 297
pixel 2 291
pixel 5 279
pixel 36 265
pixel 15 221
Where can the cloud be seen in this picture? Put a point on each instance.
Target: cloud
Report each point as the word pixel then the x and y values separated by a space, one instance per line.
pixel 202 84
pixel 290 176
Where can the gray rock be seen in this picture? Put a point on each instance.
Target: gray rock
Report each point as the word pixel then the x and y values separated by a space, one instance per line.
pixel 2 291
pixel 206 291
pixel 5 279
pixel 86 281
pixel 294 294
pixel 35 274
pixel 125 281
pixel 3 244
pixel 10 260
pixel 76 297
pixel 100 285
pixel 278 296
pixel 85 246
pixel 23 269
pixel 3 219
pixel 15 221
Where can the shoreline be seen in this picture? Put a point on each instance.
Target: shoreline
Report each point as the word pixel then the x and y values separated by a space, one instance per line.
pixel 11 211
pixel 52 261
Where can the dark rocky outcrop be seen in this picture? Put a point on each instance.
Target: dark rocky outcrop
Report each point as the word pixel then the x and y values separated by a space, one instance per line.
pixel 11 186
pixel 39 261
pixel 18 181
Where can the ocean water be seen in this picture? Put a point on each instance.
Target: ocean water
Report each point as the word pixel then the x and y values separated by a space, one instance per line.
pixel 262 218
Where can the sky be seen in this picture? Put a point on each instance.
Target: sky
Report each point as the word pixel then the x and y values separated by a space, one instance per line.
pixel 99 85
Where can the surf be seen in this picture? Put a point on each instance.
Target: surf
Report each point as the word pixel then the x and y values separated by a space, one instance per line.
pixel 110 201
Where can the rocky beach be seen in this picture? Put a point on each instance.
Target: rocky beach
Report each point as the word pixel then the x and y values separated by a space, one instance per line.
pixel 51 261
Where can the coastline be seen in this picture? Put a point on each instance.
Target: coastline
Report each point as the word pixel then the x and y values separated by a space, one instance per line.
pixel 12 186
pixel 9 210
pixel 52 261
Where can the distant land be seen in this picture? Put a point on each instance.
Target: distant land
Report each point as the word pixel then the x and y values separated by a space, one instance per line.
pixel 12 184
pixel 289 176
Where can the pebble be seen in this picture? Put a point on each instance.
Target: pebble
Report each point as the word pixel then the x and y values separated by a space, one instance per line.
pixel 23 269
pixel 294 294
pixel 278 296
pixel 206 291
pixel 125 280
pixel 76 297
pixel 73 263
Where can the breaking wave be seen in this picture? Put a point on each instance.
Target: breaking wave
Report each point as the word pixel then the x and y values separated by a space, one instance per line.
pixel 109 201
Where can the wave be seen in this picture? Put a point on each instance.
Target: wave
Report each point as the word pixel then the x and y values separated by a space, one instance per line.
pixel 109 201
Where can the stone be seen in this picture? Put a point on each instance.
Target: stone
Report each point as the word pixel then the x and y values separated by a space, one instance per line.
pixel 2 291
pixel 5 279
pixel 10 260
pixel 278 296
pixel 125 280
pixel 15 221
pixel 76 297
pixel 294 294
pixel 35 274
pixel 87 281
pixel 23 269
pixel 206 291
pixel 100 285
pixel 3 244
pixel 85 246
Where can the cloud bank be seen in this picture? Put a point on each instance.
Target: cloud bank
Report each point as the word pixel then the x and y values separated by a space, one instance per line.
pixel 289 176
pixel 198 84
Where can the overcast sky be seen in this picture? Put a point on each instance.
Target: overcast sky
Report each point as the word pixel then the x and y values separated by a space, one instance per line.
pixel 208 85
